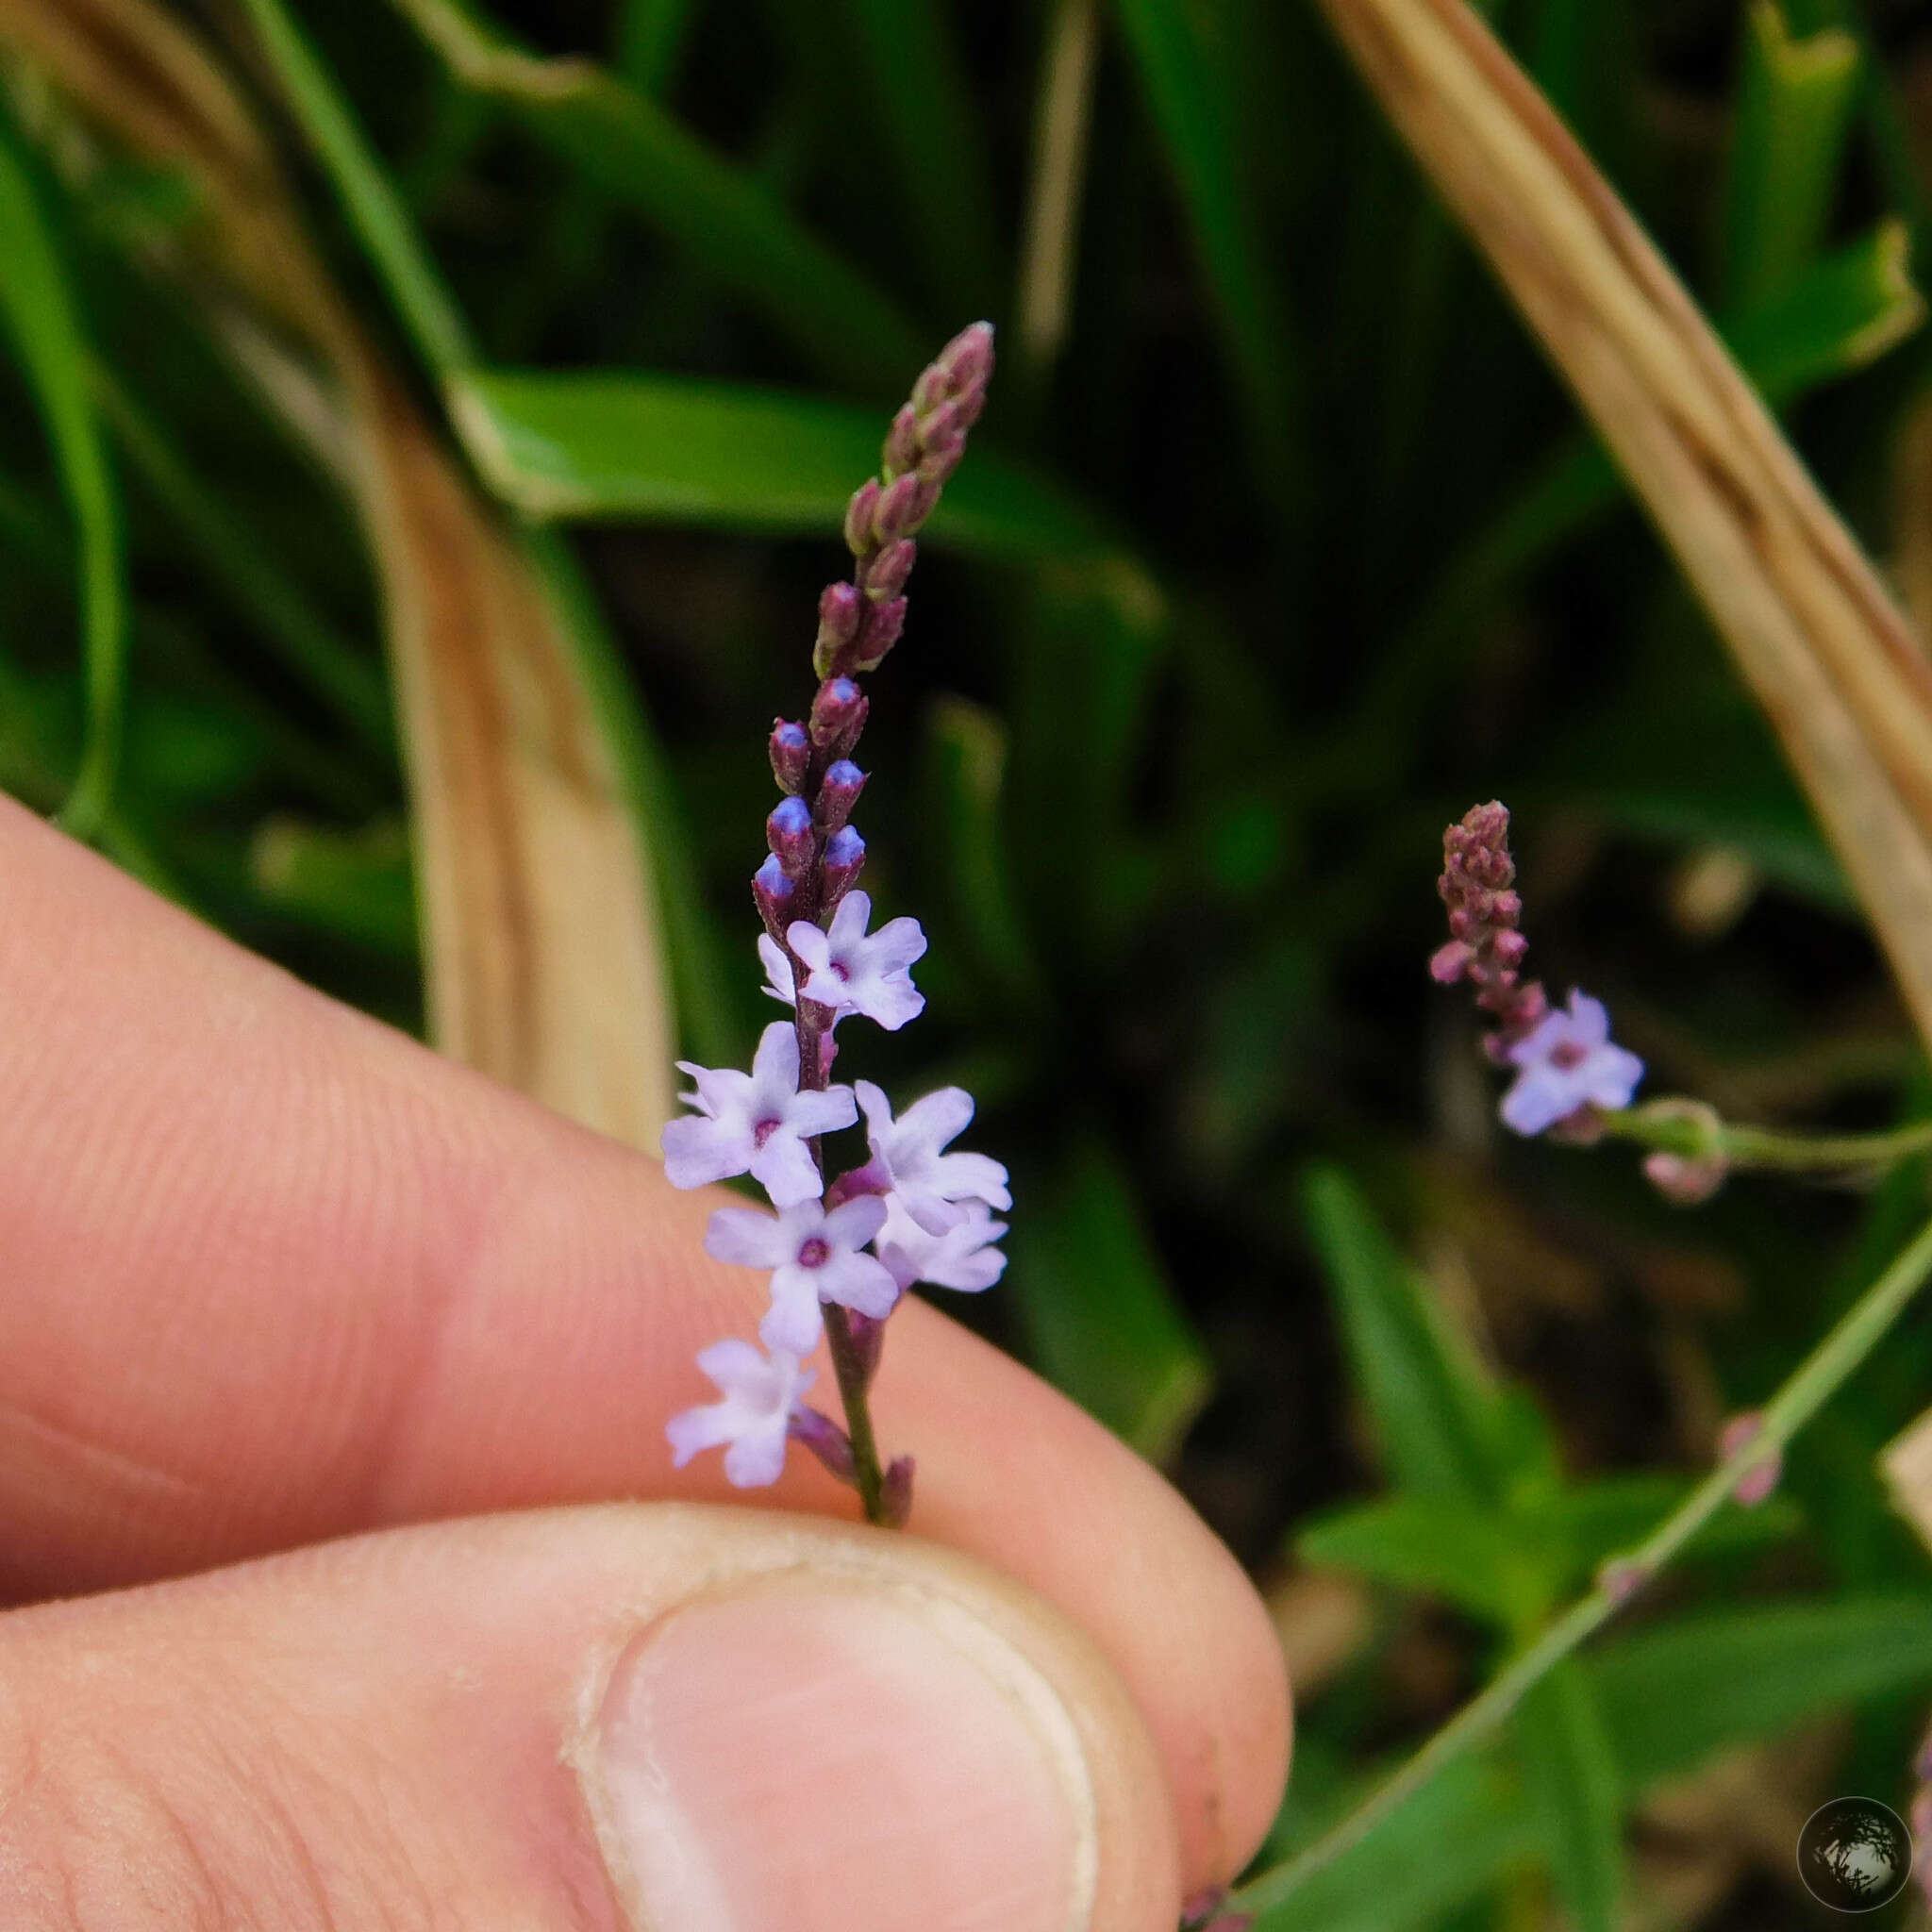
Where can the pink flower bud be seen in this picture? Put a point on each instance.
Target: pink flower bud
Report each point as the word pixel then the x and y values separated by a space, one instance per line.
pixel 884 630
pixel 901 452
pixel 897 1500
pixel 838 715
pixel 790 753
pixel 884 576
pixel 858 516
pixel 895 513
pixel 1761 1478
pixel 1448 963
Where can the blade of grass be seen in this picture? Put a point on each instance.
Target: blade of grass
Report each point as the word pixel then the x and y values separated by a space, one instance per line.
pixel 628 443
pixel 44 324
pixel 1181 64
pixel 935 155
pixel 1571 1775
pixel 308 645
pixel 1809 623
pixel 628 146
pixel 542 952
pixel 1044 302
pixel 1795 101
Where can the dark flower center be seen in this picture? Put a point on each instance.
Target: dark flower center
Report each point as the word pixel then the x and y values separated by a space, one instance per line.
pixel 1567 1056
pixel 763 1132
pixel 815 1253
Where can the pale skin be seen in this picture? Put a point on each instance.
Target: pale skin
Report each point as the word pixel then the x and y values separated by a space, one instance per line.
pixel 274 1277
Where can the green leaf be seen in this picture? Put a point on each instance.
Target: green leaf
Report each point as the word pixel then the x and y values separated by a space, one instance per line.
pixel 1463 1553
pixel 356 885
pixel 1102 1321
pixel 639 155
pixel 44 324
pixel 934 150
pixel 1184 52
pixel 1795 99
pixel 1465 1829
pixel 727 455
pixel 1437 1415
pixel 1673 1695
pixel 1570 1771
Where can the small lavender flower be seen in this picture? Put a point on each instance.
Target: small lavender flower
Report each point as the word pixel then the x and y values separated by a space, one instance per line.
pixel 753 1420
pixel 907 1160
pixel 847 969
pixel 962 1257
pixel 1567 1063
pixel 814 1257
pixel 755 1124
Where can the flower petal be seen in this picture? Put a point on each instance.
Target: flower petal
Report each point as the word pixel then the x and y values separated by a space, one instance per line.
pixel 853 1222
pixel 774 1066
pixel 822 1113
pixel 793 1323
pixel 737 1366
pixel 785 1169
pixel 859 1281
pixel 694 1431
pixel 748 1238
pixel 778 970
pixel 698 1150
pixel 755 1461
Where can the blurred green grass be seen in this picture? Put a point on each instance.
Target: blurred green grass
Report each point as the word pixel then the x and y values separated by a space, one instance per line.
pixel 1286 552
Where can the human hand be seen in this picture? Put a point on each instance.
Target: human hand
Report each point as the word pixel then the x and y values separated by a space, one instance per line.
pixel 275 1276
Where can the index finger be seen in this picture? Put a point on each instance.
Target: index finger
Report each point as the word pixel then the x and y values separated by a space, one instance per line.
pixel 270 1271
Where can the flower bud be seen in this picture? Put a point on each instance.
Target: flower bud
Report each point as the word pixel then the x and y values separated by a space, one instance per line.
pixel 838 714
pixel 1448 963
pixel 824 1439
pixel 839 792
pixel 789 833
pixel 858 516
pixel 868 1334
pixel 882 631
pixel 901 452
pixel 896 512
pixel 1761 1478
pixel 844 862
pixel 774 894
pixel 842 612
pixel 791 750
pixel 886 575
pixel 897 1502
pixel 967 359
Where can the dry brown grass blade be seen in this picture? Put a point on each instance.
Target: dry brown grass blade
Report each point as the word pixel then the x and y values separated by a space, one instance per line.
pixel 1817 635
pixel 541 940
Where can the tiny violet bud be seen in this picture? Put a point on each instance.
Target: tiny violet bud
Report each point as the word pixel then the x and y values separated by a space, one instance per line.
pixel 887 625
pixel 844 862
pixel 1689 1177
pixel 838 714
pixel 825 1439
pixel 858 516
pixel 841 611
pixel 789 833
pixel 1447 963
pixel 774 894
pixel 791 750
pixel 886 575
pixel 838 794
pixel 1761 1478
pixel 897 1499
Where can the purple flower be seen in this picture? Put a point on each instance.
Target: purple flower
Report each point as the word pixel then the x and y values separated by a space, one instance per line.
pixel 905 1157
pixel 753 1419
pixel 1568 1062
pixel 961 1258
pixel 849 970
pixel 815 1257
pixel 756 1122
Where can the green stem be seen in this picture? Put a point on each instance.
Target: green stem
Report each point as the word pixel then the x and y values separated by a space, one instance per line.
pixel 1674 1132
pixel 1811 1385
pixel 373 206
pixel 867 1475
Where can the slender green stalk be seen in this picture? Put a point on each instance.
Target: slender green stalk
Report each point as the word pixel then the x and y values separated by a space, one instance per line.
pixel 349 683
pixel 1696 1137
pixel 378 216
pixel 866 1476
pixel 1810 1385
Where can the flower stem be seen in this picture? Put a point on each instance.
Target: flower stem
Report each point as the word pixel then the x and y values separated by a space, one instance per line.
pixel 866 1476
pixel 1810 1385
pixel 1663 1128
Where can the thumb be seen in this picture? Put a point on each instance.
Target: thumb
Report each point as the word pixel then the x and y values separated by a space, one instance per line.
pixel 665 1718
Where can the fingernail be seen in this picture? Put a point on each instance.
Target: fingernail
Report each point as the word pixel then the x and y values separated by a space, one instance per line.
pixel 803 1756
